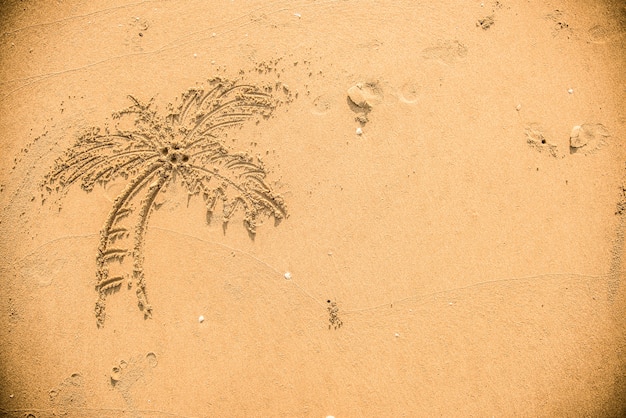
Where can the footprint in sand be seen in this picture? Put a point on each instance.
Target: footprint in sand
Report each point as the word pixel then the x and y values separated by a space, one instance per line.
pixel 68 394
pixel 610 29
pixel 321 105
pixel 409 93
pixel 126 373
pixel 42 269
pixel 598 34
pixel 588 138
pixel 446 51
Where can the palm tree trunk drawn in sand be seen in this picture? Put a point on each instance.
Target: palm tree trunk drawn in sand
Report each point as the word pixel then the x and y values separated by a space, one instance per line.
pixel 150 154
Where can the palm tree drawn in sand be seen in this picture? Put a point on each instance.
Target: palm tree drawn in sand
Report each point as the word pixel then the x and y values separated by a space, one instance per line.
pixel 157 150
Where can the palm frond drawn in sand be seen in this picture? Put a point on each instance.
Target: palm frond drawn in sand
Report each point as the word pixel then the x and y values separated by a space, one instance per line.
pixel 184 144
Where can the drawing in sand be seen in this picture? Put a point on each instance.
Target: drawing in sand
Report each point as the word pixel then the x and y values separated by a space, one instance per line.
pixel 156 150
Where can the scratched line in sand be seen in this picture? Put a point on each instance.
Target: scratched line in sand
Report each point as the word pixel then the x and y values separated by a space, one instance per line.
pixel 168 46
pixel 74 17
pixel 386 305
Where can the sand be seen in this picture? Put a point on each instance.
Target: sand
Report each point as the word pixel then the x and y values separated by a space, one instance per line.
pixel 312 208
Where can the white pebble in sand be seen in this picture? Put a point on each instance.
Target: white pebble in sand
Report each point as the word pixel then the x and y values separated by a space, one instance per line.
pixel 570 91
pixel 288 276
pixel 359 131
pixel 201 318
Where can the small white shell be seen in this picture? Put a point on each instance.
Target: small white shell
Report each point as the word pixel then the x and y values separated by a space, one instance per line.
pixel 201 318
pixel 288 275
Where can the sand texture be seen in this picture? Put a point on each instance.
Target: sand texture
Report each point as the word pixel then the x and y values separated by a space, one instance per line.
pixel 312 208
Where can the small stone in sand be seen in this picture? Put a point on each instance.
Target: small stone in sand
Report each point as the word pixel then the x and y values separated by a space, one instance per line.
pixel 288 276
pixel 359 131
pixel 201 318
